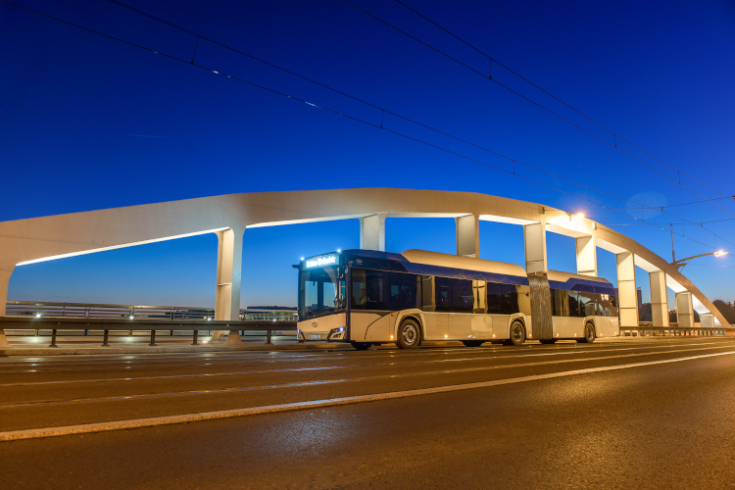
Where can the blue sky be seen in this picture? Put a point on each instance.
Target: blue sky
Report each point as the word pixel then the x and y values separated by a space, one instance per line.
pixel 89 123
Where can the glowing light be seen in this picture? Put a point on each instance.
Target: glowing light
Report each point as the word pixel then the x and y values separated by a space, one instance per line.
pixel 579 216
pixel 302 258
pixel 321 261
pixel 132 317
pixel 38 315
pixel 339 250
pixel 720 252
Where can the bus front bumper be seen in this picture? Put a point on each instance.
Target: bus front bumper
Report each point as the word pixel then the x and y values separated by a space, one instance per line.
pixel 338 334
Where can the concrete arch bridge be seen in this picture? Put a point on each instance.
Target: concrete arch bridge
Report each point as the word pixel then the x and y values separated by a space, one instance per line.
pixel 28 241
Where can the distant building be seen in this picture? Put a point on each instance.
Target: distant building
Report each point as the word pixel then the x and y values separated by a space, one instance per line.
pixel 640 298
pixel 270 313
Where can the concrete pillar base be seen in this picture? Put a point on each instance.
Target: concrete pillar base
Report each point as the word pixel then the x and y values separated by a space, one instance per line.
pixel 3 339
pixel 218 336
pixel 234 338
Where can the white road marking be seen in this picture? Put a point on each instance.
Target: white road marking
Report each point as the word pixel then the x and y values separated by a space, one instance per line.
pixel 141 396
pixel 406 361
pixel 330 402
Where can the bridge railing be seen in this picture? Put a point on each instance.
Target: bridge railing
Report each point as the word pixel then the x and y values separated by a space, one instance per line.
pixel 138 312
pixel 21 325
pixel 675 331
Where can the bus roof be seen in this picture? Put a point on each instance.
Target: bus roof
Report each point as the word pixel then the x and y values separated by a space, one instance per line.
pixel 439 264
pixel 467 263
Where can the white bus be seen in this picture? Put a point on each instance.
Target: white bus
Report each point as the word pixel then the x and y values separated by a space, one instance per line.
pixel 369 298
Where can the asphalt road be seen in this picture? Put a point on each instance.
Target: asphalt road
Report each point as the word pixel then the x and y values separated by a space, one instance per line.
pixel 543 416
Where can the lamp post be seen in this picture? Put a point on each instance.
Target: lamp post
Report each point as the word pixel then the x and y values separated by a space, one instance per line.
pixel 679 264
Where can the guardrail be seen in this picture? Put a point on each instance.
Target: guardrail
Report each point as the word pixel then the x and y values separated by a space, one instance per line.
pixel 646 331
pixel 108 325
pixel 88 310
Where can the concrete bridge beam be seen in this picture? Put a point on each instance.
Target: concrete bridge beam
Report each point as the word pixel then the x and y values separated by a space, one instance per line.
pixel 659 299
pixel 468 236
pixel 534 238
pixel 627 293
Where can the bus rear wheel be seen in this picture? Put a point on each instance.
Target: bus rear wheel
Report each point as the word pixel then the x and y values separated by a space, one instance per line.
pixel 589 333
pixel 361 345
pixel 472 343
pixel 408 335
pixel 517 334
pixel 548 341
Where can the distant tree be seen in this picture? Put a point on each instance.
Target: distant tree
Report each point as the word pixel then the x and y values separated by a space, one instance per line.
pixel 727 309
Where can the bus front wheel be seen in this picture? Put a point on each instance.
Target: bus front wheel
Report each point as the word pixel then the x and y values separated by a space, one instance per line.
pixel 517 334
pixel 408 335
pixel 361 345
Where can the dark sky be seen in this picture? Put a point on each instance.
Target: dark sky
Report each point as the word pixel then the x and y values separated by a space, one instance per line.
pixel 89 123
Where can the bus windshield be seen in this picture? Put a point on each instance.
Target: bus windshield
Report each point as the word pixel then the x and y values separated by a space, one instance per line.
pixel 321 292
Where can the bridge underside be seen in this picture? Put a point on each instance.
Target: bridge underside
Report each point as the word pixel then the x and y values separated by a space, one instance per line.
pixel 229 216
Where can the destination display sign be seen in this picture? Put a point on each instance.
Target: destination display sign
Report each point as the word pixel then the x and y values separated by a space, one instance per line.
pixel 321 261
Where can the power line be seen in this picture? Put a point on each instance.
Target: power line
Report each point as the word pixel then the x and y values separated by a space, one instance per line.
pixel 699 202
pixel 489 77
pixel 384 111
pixel 615 135
pixel 356 119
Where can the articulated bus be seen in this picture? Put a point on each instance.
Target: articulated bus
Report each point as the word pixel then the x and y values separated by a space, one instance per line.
pixel 369 298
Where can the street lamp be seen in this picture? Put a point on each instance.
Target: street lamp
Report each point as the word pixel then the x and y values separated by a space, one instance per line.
pixel 679 264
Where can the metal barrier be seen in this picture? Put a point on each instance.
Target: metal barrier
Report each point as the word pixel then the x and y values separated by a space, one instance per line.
pixel 646 331
pixel 171 313
pixel 108 325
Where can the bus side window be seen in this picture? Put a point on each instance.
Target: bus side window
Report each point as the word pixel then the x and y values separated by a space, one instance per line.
pixel 359 291
pixel 574 306
pixel 443 294
pixel 427 293
pixel 402 291
pixel 463 299
pixel 586 303
pixel 478 288
pixel 377 297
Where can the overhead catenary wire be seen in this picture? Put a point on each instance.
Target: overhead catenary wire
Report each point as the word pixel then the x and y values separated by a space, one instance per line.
pixel 614 134
pixel 494 80
pixel 383 111
pixel 356 119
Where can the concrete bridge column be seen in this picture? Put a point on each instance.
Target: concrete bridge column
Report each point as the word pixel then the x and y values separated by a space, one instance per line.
pixel 5 273
pixel 534 238
pixel 468 236
pixel 372 232
pixel 627 294
pixel 229 272
pixel 659 301
pixel 586 255
pixel 707 320
pixel 684 310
